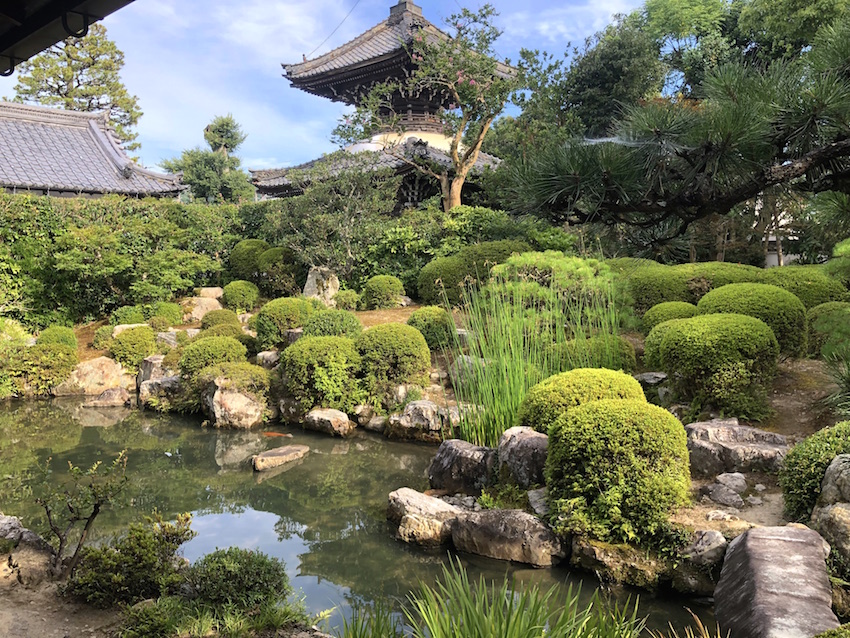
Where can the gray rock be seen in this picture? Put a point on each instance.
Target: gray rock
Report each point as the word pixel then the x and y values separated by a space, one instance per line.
pixel 245 317
pixel 124 327
pixel 464 337
pixel 268 359
pixel 292 335
pixel 720 515
pixel 279 456
pixel 227 407
pixel 522 456
pixel 753 501
pixel 329 421
pixel 211 292
pixel 92 377
pixel 460 466
pixel 724 446
pixel 157 393
pixel 363 414
pixel 465 367
pixel 322 284
pixel 30 560
pixel 191 333
pixel 833 523
pixel 508 535
pixel 760 488
pixel 619 563
pixel 403 301
pixel 537 502
pixel 421 519
pixel 195 308
pixel 377 424
pixel 152 368
pixel 774 584
pixel 420 421
pixel 835 487
pixel 290 410
pixel 722 495
pixel 650 379
pixel 112 398
pixel 168 338
pixel 735 481
pixel 707 548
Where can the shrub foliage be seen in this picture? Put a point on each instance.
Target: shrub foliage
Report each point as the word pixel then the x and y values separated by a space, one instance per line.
pixel 280 315
pixel 392 354
pixel 322 372
pixel 435 324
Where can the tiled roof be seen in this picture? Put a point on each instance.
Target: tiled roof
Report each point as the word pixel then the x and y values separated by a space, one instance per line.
pixel 276 179
pixel 54 150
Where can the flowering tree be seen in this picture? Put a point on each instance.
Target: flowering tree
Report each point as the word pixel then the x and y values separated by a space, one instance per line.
pixel 461 73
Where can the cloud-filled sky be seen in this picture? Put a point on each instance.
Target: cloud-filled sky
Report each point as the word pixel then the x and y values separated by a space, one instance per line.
pixel 191 60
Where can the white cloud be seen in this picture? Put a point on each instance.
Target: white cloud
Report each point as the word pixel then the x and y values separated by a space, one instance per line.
pixel 563 23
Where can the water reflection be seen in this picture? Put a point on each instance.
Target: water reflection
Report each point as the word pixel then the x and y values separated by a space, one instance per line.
pixel 324 517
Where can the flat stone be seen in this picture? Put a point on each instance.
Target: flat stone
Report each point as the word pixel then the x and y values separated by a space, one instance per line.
pixel 720 446
pixel 537 502
pixel 522 456
pixel 92 377
pixel 774 584
pixel 279 456
pixel 124 327
pixel 707 548
pixel 753 501
pixel 292 335
pixel 460 466
pixel 651 379
pixel 333 422
pixel 268 359
pixel 403 301
pixel 622 564
pixel 210 292
pixel 112 398
pixel 508 535
pixel 722 495
pixel 735 481
pixel 720 515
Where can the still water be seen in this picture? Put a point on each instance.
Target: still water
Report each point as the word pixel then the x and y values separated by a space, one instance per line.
pixel 325 517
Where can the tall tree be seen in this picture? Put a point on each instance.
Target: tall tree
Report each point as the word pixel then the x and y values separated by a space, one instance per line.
pixel 82 74
pixel 215 175
pixel 465 73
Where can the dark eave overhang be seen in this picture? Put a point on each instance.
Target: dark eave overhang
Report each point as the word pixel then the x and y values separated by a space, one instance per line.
pixel 29 27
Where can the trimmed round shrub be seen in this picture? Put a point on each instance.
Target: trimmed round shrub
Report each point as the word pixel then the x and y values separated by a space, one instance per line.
pixel 652 344
pixel 240 376
pixel 37 369
pixel 132 346
pixel 58 334
pixel 12 333
pixel 240 295
pixel 552 397
pixel 219 317
pixel 166 309
pixel 601 351
pixel 435 324
pixel 693 350
pixel 347 300
pixel 478 259
pixel 381 291
pixel 245 258
pixel 615 469
pixel 653 285
pixel 206 352
pixel 280 315
pixel 393 353
pixel 705 276
pixel 127 315
pixel 322 372
pixel 810 283
pixel 805 465
pixel 281 273
pixel 829 327
pixel 441 277
pixel 665 311
pixel 628 265
pixel 158 324
pixel 778 308
pixel 102 338
pixel 241 577
pixel 221 330
pixel 333 323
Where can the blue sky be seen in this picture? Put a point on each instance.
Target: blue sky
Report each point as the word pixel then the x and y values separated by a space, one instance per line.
pixel 191 60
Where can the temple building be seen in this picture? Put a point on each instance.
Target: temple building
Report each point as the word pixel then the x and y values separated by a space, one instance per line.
pixel 48 151
pixel 346 75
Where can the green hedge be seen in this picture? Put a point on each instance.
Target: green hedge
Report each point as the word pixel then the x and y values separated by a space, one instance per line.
pixel 221 330
pixel 102 337
pixel 37 369
pixel 240 295
pixel 347 300
pixel 810 283
pixel 206 352
pixel 381 291
pixel 435 324
pixel 241 578
pixel 653 341
pixel 280 315
pixel 665 311
pixel 166 309
pixel 333 323
pixel 240 376
pixel 245 258
pixel 281 273
pixel 549 399
pixel 58 334
pixel 12 333
pixel 615 470
pixel 393 354
pixel 778 308
pixel 705 276
pixel 653 285
pixel 600 351
pixel 128 315
pixel 829 328
pixel 219 317
pixel 442 276
pixel 132 346
pixel 322 372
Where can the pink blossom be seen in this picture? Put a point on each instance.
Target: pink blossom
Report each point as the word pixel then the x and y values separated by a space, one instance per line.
pixel 472 81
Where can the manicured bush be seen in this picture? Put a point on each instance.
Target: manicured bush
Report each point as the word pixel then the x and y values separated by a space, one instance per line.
pixel 281 273
pixel 241 577
pixel 159 324
pixel 333 323
pixel 58 334
pixel 441 277
pixel 665 311
pixel 245 257
pixel 240 295
pixel 280 315
pixel 435 324
pixel 219 317
pixel 221 330
pixel 347 300
pixel 810 283
pixel 829 327
pixel 392 354
pixel 102 338
pixel 127 315
pixel 693 350
pixel 778 308
pixel 37 369
pixel 478 259
pixel 600 351
pixel 12 333
pixel 322 372
pixel 167 309
pixel 549 399
pixel 627 265
pixel 132 346
pixel 805 466
pixel 206 352
pixel 554 270
pixel 652 344
pixel 703 277
pixel 615 469
pixel 653 285
pixel 240 376
pixel 381 291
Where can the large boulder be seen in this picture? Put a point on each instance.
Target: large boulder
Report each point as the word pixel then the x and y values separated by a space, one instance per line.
pixel 322 284
pixel 279 456
pixel 124 327
pixel 420 421
pixel 268 359
pixel 508 535
pixel 92 377
pixel 421 519
pixel 112 398
pixel 707 548
pixel 831 516
pixel 194 308
pixel 774 584
pixel 460 466
pixel 210 292
pixel 29 558
pixel 152 368
pixel 329 421
pixel 158 393
pixel 522 456
pixel 722 445
pixel 230 408
pixel 620 563
pixel 835 487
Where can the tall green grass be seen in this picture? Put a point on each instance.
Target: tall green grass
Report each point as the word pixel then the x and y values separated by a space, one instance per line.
pixel 521 333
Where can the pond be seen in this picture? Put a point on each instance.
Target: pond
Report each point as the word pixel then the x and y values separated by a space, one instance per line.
pixel 325 517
